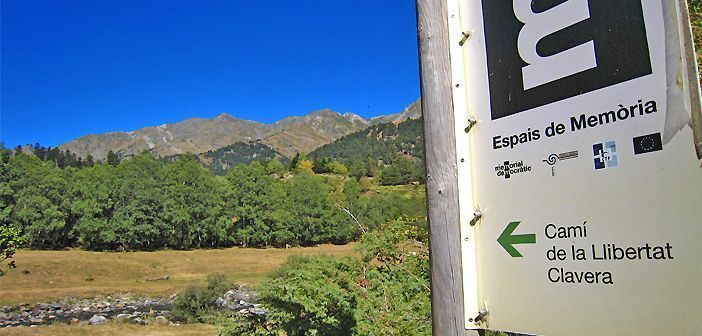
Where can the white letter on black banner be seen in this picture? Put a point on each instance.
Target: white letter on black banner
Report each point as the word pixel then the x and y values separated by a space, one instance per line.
pixel 542 70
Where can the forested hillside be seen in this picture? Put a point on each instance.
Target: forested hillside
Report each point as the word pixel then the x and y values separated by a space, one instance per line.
pixel 359 152
pixel 381 142
pixel 220 160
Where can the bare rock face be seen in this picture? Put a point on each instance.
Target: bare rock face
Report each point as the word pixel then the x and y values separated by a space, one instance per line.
pixel 198 135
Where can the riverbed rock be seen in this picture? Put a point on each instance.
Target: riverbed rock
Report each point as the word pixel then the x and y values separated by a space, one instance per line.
pixel 239 298
pixel 160 320
pixel 101 309
pixel 97 319
pixel 124 316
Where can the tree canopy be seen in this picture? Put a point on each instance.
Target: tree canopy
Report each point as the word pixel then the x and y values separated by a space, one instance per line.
pixel 141 203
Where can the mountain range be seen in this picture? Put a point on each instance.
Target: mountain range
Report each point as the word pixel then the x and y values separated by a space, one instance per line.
pixel 287 136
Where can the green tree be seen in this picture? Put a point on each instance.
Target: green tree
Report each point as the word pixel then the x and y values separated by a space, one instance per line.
pixel 137 221
pixel 275 167
pixel 314 216
pixel 249 201
pixel 357 168
pixel 321 166
pixel 41 208
pixel 400 171
pixel 192 206
pixel 371 167
pixel 10 235
pixel 89 161
pixel 336 167
pixel 374 209
pixel 94 193
pixel 6 194
pixel 294 162
pixel 352 191
pixel 112 159
pixel 10 241
pixel 282 230
pixel 365 183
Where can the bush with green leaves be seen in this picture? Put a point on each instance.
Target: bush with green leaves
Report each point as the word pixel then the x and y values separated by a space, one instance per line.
pixel 384 290
pixel 198 304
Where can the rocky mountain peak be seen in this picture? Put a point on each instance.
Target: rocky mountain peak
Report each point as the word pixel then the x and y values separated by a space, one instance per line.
pixel 226 117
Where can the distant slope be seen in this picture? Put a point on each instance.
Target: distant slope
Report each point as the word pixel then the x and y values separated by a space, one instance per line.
pixel 220 160
pixel 383 141
pixel 304 134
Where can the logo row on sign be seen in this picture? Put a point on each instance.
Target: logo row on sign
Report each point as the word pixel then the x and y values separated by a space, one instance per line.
pixel 604 156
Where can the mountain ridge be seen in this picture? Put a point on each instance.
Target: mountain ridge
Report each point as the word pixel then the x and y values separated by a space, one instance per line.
pixel 196 135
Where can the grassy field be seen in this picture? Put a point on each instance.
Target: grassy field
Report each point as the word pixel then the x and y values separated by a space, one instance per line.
pixel 112 329
pixel 43 276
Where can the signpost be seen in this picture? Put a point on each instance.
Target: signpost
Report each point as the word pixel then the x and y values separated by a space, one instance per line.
pixel 575 152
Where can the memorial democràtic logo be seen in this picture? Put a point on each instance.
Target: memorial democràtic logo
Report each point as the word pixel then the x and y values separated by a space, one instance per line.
pixel 540 52
pixel 509 168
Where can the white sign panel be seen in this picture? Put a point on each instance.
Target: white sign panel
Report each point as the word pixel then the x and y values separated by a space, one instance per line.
pixel 582 162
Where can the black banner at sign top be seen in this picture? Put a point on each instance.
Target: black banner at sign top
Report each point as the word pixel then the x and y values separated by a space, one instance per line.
pixel 543 51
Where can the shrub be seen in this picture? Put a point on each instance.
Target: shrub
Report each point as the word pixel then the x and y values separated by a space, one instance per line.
pixel 197 304
pixel 382 291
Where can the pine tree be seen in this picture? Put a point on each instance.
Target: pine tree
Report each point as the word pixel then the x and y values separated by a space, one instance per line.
pixel 112 159
pixel 294 162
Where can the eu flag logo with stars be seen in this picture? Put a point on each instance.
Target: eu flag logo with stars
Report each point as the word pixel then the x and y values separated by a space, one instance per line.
pixel 648 143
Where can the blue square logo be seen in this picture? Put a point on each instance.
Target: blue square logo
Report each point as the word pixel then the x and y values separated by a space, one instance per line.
pixel 605 155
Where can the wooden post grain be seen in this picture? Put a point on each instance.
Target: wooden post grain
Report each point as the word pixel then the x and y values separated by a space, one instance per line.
pixel 442 181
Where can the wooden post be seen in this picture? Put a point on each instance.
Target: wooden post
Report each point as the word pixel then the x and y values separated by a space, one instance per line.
pixel 448 316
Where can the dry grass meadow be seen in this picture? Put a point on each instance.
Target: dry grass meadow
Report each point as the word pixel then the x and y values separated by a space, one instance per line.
pixel 43 276
pixel 112 329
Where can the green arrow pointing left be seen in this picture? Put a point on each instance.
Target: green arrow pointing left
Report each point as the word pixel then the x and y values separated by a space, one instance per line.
pixel 507 239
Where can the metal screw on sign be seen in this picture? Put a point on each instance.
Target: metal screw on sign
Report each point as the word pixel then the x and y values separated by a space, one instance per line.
pixel 476 216
pixel 465 37
pixel 481 315
pixel 471 123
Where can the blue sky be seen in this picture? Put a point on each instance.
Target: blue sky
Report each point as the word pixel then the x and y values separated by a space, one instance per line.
pixel 71 68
